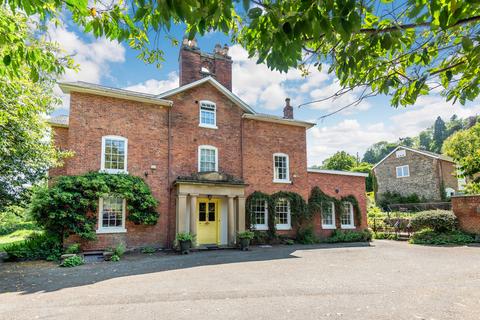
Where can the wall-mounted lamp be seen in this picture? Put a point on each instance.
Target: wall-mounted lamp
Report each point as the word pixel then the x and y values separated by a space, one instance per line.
pixel 209 197
pixel 337 190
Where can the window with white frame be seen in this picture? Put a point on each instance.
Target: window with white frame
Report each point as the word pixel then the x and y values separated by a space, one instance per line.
pixel 346 219
pixel 208 114
pixel 281 168
pixel 282 214
pixel 328 215
pixel 400 153
pixel 403 171
pixel 111 215
pixel 207 159
pixel 114 154
pixel 259 209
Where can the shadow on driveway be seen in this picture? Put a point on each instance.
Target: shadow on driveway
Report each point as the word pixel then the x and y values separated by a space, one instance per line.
pixel 41 276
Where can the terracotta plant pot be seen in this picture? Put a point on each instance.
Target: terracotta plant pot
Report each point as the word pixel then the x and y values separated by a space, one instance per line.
pixel 244 244
pixel 185 246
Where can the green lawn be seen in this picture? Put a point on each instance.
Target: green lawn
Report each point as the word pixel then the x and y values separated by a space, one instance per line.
pixel 14 237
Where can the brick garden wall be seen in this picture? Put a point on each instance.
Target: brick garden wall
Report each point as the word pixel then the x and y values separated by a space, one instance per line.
pixel 467 210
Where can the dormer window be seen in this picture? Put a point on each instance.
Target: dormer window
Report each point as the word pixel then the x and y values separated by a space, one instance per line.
pixel 208 115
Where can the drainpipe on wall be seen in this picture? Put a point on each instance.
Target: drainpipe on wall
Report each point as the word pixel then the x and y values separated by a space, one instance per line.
pixel 169 143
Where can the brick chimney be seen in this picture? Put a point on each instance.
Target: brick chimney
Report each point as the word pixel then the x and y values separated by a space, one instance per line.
pixel 287 110
pixel 195 64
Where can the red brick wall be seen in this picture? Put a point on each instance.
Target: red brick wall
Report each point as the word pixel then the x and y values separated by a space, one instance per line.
pixel 60 139
pixel 261 141
pixel 145 127
pixel 467 210
pixel 346 185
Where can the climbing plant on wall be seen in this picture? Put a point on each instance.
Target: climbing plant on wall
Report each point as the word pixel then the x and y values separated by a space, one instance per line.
pixel 298 209
pixel 317 196
pixel 69 206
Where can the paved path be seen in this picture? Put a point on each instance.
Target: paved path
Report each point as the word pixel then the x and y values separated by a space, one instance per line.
pixel 388 280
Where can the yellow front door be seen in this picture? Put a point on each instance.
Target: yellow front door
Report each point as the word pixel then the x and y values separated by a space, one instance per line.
pixel 208 218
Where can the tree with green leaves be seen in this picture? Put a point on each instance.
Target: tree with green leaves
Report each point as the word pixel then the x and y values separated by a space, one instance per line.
pixel 365 167
pixel 439 134
pixel 464 148
pixel 378 151
pixel 341 160
pixel 399 48
pixel 27 75
pixel 425 140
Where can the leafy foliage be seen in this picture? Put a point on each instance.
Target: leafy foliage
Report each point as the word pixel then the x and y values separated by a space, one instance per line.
pixel 63 208
pixel 341 160
pixel 14 218
pixel 349 236
pixel 37 246
pixel 366 167
pixel 464 148
pixel 115 258
pixel 389 197
pixel 184 236
pixel 385 235
pixel 306 235
pixel 317 197
pixel 73 248
pixel 436 220
pixel 428 236
pixel 28 68
pixel 246 235
pixel 148 250
pixel 119 250
pixel 73 261
pixel 403 50
pixel 378 151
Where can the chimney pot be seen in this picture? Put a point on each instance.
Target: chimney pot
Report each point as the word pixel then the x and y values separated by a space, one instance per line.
pixel 287 110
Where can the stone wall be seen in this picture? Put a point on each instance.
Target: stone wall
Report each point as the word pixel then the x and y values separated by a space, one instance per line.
pixel 423 179
pixel 467 210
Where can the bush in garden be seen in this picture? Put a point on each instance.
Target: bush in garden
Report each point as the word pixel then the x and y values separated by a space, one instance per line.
pixel 73 261
pixel 349 236
pixel 37 246
pixel 305 235
pixel 428 236
pixel 436 220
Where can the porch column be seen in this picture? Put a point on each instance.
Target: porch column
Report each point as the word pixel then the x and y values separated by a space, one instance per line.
pixel 231 221
pixel 241 214
pixel 193 213
pixel 182 213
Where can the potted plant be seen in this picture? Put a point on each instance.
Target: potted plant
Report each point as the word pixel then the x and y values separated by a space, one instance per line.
pixel 245 237
pixel 184 240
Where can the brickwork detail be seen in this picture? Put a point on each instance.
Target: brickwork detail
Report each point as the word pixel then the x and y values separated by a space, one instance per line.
pixel 467 210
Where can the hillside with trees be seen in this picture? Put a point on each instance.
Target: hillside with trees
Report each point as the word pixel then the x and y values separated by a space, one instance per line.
pixel 430 139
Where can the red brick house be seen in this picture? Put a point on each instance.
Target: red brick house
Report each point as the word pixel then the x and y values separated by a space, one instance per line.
pixel 202 151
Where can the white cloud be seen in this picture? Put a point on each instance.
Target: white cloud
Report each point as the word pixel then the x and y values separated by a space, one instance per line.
pixel 154 86
pixel 93 57
pixel 348 135
pixel 422 115
pixel 354 136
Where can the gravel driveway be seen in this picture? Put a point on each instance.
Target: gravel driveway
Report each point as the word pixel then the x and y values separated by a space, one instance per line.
pixel 386 280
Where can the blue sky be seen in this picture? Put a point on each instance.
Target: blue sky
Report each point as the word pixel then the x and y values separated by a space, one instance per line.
pixel 353 130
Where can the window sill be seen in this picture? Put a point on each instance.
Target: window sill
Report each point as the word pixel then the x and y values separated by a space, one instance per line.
pixel 347 227
pixel 328 227
pixel 113 171
pixel 283 227
pixel 260 227
pixel 208 126
pixel 282 181
pixel 111 230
